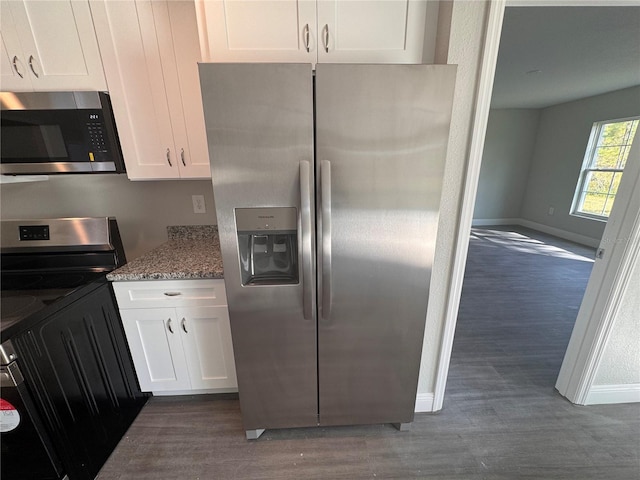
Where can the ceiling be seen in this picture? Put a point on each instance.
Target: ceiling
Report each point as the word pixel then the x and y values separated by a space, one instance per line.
pixel 552 55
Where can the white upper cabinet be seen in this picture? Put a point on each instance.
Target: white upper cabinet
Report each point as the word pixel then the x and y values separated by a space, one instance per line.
pixel 330 31
pixel 150 53
pixel 48 46
pixel 259 31
pixel 378 31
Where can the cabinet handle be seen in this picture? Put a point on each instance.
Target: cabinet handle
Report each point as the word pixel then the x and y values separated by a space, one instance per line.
pixel 305 33
pixel 15 66
pixel 183 324
pixel 31 66
pixel 326 38
pixel 172 294
pixel 169 157
pixel 182 157
pixel 169 326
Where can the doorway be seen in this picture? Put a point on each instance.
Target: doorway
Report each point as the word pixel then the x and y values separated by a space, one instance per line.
pixel 583 146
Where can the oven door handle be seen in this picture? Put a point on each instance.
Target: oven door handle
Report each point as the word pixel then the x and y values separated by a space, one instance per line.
pixel 10 376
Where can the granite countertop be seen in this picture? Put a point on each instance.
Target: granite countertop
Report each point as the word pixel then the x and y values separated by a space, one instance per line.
pixel 192 252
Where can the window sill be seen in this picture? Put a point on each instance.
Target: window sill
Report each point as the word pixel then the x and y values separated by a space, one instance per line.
pixel 586 216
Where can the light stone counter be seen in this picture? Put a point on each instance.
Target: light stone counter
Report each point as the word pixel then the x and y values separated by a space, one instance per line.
pixel 192 252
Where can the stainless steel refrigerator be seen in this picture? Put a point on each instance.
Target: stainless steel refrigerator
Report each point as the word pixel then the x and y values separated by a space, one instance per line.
pixel 327 189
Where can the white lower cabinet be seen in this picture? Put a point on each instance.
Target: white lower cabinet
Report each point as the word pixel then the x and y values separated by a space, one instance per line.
pixel 184 346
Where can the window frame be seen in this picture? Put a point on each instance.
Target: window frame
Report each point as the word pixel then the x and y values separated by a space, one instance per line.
pixel 586 168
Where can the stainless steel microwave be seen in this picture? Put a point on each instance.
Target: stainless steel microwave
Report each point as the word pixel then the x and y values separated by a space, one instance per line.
pixel 58 132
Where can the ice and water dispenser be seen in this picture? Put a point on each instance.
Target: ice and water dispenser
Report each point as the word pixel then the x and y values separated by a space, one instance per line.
pixel 268 245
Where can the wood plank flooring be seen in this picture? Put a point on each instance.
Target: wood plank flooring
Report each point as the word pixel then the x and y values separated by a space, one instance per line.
pixel 502 418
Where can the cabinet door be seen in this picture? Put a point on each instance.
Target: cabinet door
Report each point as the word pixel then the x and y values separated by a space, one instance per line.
pixel 59 44
pixel 13 69
pixel 179 48
pixel 206 337
pixel 371 31
pixel 154 340
pixel 129 46
pixel 260 31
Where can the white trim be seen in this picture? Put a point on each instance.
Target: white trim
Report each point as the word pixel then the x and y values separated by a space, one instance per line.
pixel 607 394
pixel 574 237
pixel 540 227
pixel 424 403
pixel 480 120
pixel 487 222
pixel 168 393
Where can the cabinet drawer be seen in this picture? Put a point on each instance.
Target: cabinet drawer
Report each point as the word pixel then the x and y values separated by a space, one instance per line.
pixel 169 293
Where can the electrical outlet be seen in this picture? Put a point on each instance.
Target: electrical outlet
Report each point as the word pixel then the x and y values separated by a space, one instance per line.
pixel 198 204
pixel 551 210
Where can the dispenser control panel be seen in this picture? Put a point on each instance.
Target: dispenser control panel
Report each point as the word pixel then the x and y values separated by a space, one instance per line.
pixel 282 219
pixel 268 245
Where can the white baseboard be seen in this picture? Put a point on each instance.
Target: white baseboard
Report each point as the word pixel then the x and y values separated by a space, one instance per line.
pixel 605 394
pixel 424 402
pixel 484 222
pixel 573 237
pixel 171 393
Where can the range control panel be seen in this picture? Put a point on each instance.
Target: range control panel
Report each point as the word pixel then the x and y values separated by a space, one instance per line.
pixel 34 232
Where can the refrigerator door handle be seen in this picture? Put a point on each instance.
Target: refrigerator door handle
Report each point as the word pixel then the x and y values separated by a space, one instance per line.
pixel 325 189
pixel 305 218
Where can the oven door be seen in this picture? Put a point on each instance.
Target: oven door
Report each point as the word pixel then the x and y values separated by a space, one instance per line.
pixel 27 452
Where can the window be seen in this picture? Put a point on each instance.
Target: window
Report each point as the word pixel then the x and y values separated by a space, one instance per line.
pixel 604 161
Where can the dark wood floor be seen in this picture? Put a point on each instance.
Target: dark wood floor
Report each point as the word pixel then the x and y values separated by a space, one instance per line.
pixel 502 418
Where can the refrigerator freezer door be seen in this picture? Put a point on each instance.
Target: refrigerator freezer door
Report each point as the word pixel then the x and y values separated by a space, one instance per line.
pixel 381 138
pixel 259 121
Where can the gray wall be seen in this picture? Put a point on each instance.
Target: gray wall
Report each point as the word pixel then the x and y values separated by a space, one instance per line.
pixel 563 133
pixel 511 136
pixel 143 209
pixel 555 156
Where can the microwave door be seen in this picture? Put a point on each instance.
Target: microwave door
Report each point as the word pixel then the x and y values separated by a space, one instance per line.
pixel 43 142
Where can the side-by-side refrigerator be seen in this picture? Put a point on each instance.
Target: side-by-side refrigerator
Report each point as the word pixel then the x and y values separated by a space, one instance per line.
pixel 327 189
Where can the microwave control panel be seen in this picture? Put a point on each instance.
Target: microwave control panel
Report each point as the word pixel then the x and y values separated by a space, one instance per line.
pixel 96 136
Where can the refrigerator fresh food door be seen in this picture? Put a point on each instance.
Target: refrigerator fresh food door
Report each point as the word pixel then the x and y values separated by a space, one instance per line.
pixel 259 121
pixel 381 138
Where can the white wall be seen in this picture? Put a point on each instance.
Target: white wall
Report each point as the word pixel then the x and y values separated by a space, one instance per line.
pixel 620 362
pixel 563 133
pixel 511 136
pixel 143 209
pixel 464 48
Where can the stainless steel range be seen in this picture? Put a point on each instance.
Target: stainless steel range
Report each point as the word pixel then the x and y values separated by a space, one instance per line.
pixel 69 391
